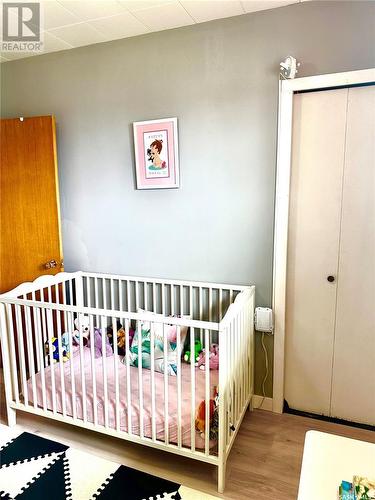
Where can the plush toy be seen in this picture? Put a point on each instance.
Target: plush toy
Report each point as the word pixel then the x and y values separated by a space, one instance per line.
pixel 82 329
pixel 53 346
pixel 96 338
pixel 200 420
pixel 197 351
pixel 65 342
pixel 121 341
pixel 213 358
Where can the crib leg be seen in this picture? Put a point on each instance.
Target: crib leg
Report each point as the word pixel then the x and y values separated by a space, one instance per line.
pixel 11 416
pixel 221 476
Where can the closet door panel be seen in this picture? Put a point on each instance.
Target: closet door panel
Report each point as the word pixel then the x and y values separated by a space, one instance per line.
pixel 353 383
pixel 314 227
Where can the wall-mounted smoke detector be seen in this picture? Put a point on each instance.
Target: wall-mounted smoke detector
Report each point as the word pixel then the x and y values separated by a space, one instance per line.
pixel 288 68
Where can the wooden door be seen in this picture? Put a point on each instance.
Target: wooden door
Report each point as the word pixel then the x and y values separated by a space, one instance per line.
pixel 313 244
pixel 353 382
pixel 30 213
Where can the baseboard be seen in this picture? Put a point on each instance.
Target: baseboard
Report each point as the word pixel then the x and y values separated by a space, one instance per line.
pixel 262 403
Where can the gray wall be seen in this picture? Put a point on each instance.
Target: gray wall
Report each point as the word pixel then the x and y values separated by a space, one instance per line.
pixel 221 80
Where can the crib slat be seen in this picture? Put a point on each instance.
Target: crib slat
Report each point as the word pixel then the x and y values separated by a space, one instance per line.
pixel 166 405
pixel 117 388
pixel 120 296
pixel 163 298
pixel 30 353
pixel 145 296
pixel 9 316
pixel 154 297
pixel 40 345
pixel 104 363
pixel 112 294
pixel 70 325
pixel 104 287
pixel 179 413
pixel 128 305
pixel 207 392
pixel 153 410
pixel 192 379
pixel 136 296
pixel 191 307
pixel 83 377
pixel 172 299
pixel 128 393
pixel 59 335
pixel 93 371
pixel 21 353
pixel 52 364
pixel 62 371
pixel 140 378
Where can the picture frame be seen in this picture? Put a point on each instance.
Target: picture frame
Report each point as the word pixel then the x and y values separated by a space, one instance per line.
pixel 156 154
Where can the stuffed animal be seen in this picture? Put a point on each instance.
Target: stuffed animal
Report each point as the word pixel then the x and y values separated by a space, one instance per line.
pixel 53 346
pixel 197 351
pixel 82 329
pixel 213 358
pixel 96 338
pixel 121 341
pixel 200 420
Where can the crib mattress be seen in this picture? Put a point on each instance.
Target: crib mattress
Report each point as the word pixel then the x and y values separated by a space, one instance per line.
pixel 186 407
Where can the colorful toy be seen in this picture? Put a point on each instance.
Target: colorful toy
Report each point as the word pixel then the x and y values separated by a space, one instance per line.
pixel 53 346
pixel 197 351
pixel 200 419
pixel 82 329
pixel 121 338
pixel 96 337
pixel 213 358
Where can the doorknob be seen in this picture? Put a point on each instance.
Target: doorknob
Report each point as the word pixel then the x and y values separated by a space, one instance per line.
pixel 50 264
pixel 330 278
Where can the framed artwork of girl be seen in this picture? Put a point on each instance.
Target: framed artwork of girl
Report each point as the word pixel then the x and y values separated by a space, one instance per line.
pixel 156 154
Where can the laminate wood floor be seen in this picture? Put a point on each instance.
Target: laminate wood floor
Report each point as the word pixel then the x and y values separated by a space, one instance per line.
pixel 264 463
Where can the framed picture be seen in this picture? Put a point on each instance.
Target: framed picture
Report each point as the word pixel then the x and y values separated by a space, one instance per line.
pixel 156 154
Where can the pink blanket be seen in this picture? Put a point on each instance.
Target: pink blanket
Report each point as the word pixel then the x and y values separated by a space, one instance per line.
pixel 134 391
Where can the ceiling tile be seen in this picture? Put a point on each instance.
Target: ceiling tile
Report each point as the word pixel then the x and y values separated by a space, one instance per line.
pixel 78 34
pixel 52 44
pixel 207 10
pixel 120 26
pixel 56 15
pixel 255 5
pixel 134 5
pixel 164 17
pixel 92 9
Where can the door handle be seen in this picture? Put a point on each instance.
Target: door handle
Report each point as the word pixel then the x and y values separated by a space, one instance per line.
pixel 330 278
pixel 50 264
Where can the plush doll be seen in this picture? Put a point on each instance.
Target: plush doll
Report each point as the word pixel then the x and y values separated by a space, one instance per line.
pixel 121 338
pixel 197 351
pixel 96 338
pixel 82 329
pixel 213 358
pixel 53 345
pixel 200 419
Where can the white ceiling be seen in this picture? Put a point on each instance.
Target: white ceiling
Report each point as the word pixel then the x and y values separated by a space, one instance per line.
pixel 74 23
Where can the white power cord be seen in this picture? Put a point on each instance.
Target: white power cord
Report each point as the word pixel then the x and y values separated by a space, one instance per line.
pixel 266 374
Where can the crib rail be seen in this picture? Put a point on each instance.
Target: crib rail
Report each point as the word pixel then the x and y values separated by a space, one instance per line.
pixel 146 399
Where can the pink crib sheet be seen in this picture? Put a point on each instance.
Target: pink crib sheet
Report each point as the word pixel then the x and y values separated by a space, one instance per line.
pixel 186 408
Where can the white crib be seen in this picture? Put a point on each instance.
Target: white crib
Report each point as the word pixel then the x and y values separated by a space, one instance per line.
pixel 108 395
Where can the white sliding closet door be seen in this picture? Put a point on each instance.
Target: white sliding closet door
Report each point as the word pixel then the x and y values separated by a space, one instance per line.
pixel 314 230
pixel 353 383
pixel 330 299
